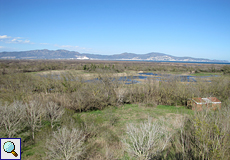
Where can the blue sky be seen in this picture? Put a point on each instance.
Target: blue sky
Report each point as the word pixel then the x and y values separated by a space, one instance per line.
pixel 196 28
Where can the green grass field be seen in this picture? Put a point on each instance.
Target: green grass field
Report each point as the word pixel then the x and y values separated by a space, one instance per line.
pixel 108 125
pixel 205 74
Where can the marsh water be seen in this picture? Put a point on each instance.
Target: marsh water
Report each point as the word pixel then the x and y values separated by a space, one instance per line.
pixel 163 77
pixel 140 77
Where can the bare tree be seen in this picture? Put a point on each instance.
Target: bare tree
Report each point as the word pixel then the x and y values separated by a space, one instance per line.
pixel 12 117
pixel 65 144
pixel 34 113
pixel 145 140
pixel 54 112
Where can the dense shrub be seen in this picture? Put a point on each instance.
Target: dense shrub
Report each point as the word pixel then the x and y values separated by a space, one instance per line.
pixel 205 135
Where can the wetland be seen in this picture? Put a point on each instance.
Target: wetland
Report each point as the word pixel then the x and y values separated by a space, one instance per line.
pixel 105 101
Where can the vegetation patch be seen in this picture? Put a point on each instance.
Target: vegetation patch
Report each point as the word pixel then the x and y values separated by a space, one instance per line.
pixel 48 99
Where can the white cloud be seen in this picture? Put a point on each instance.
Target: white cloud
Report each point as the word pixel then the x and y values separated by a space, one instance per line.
pixel 8 39
pixel 27 41
pixel 4 37
pixel 17 40
pixel 21 40
pixel 2 47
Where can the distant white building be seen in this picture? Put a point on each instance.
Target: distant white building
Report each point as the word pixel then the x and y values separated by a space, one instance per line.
pixel 82 57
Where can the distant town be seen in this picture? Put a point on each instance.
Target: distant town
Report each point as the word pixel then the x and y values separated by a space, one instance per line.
pixel 65 54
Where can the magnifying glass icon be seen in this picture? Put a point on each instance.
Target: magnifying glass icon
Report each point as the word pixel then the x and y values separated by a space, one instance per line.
pixel 9 147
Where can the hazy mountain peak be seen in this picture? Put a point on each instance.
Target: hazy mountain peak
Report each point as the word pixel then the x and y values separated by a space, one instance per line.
pixel 65 54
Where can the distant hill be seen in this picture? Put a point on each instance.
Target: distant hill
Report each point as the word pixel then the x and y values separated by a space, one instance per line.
pixel 39 54
pixel 65 54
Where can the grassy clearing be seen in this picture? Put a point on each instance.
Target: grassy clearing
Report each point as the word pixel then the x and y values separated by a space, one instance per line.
pixel 164 109
pixel 205 74
pixel 111 122
pixel 118 117
pixel 36 151
pixel 109 125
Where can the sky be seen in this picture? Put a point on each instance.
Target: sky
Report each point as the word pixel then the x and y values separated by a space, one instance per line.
pixel 195 28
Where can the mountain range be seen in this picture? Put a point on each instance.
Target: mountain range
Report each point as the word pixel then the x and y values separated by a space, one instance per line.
pixel 65 54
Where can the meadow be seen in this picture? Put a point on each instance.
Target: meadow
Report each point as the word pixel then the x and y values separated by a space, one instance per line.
pixel 68 109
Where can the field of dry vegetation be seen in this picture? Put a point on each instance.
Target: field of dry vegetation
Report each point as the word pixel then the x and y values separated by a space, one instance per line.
pixel 68 109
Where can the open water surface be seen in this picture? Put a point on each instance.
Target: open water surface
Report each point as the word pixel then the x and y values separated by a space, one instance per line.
pixel 142 76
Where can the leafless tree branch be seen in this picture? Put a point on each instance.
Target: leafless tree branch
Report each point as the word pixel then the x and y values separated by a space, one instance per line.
pixel 65 144
pixel 12 117
pixel 146 139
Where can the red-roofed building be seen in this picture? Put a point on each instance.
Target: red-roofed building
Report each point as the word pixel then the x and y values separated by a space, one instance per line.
pixel 200 103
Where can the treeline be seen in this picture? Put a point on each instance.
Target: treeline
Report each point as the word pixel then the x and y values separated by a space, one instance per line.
pixel 76 93
pixel 22 66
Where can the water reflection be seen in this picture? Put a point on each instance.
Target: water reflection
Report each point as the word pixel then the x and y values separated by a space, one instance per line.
pixel 181 78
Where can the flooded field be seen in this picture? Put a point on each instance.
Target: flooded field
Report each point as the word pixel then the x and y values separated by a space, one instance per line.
pixel 136 78
pixel 164 77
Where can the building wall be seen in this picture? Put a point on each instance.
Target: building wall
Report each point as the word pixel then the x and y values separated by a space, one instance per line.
pixel 199 107
pixel 216 106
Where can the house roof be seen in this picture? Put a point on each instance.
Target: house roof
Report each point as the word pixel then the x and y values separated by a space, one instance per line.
pixel 207 100
pixel 199 100
pixel 214 99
